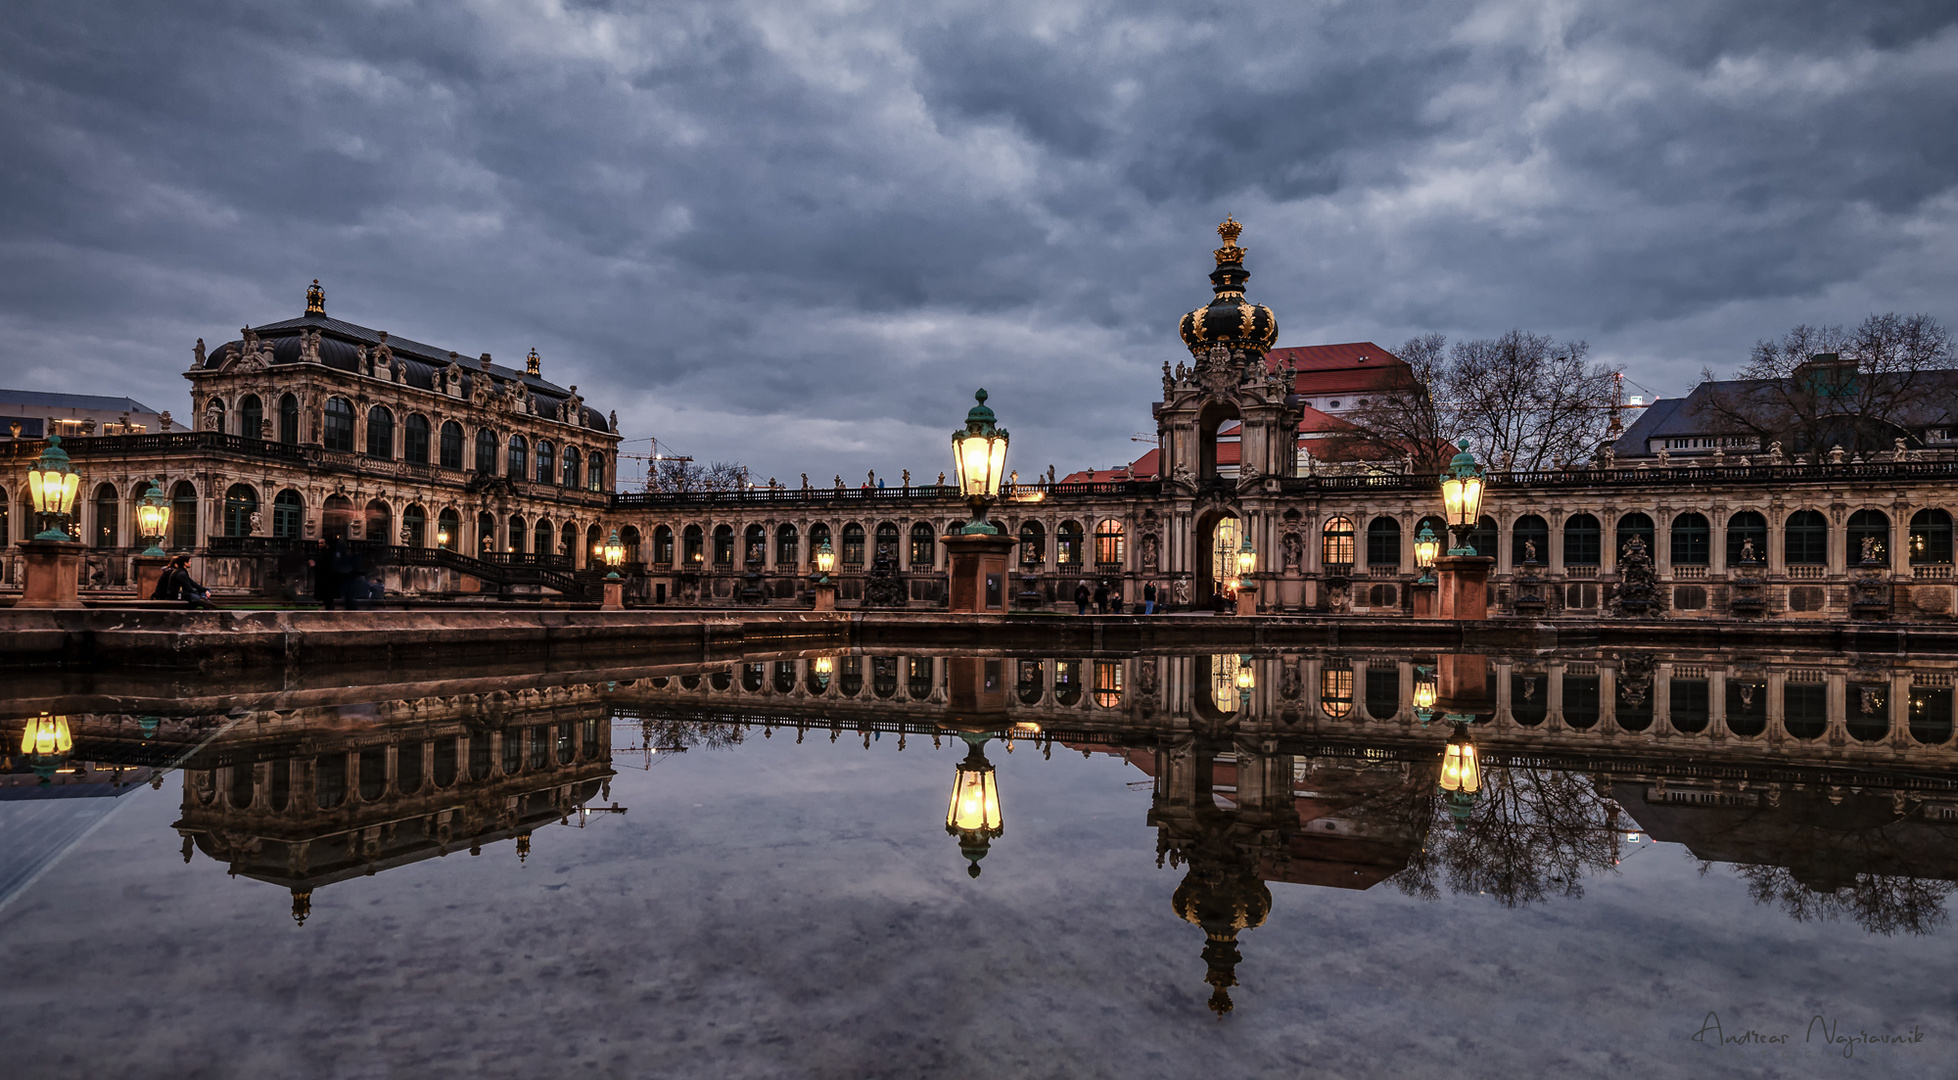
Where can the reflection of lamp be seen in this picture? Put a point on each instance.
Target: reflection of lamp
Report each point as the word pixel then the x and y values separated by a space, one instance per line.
pixel 1461 772
pixel 52 483
pixel 825 665
pixel 614 553
pixel 1426 547
pixel 46 743
pixel 153 518
pixel 1461 498
pixel 1425 691
pixel 1244 678
pixel 979 452
pixel 973 815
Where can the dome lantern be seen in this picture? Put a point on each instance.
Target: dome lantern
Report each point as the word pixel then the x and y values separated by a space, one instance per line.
pixel 1229 320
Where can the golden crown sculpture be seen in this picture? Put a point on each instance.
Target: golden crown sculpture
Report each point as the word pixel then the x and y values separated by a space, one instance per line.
pixel 1230 230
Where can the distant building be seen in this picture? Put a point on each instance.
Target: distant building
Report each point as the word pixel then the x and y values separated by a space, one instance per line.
pixel 32 414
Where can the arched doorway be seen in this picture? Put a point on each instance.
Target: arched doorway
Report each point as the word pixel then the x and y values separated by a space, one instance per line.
pixel 1216 556
pixel 336 517
pixel 1214 416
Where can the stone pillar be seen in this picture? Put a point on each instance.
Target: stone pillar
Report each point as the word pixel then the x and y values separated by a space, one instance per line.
pixel 614 595
pixel 1463 590
pixel 978 564
pixel 1426 604
pixel 148 569
pixel 52 570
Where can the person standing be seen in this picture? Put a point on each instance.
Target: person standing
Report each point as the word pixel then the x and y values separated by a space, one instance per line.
pixel 1101 597
pixel 1081 597
pixel 1149 599
pixel 1115 600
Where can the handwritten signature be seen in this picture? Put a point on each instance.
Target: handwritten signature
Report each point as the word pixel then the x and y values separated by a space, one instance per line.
pixel 1821 1030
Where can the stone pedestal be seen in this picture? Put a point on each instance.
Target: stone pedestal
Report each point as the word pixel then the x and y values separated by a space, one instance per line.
pixel 1462 685
pixel 52 570
pixel 614 595
pixel 1463 589
pixel 825 596
pixel 978 565
pixel 1247 600
pixel 147 570
pixel 1425 604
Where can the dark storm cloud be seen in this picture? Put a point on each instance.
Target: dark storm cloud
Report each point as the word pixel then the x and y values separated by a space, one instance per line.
pixel 800 235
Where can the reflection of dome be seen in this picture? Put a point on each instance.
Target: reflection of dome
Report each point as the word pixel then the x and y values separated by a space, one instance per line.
pixel 1222 901
pixel 1228 319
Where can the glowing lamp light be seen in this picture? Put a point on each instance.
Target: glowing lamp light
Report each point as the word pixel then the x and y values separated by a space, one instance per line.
pixel 825 665
pixel 1247 558
pixel 442 539
pixel 51 486
pixel 46 744
pixel 1244 678
pixel 1427 547
pixel 979 455
pixel 825 559
pixel 1426 689
pixel 973 815
pixel 1461 498
pixel 153 518
pixel 1461 769
pixel 614 554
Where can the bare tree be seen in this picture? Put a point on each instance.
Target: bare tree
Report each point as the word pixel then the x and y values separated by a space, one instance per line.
pixel 1817 387
pixel 680 475
pixel 1880 903
pixel 1526 402
pixel 1410 420
pixel 1533 833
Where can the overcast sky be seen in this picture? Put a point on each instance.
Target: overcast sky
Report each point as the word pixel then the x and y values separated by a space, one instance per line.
pixel 798 234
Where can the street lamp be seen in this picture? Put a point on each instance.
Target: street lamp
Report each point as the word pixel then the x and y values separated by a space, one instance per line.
pixel 1461 498
pixel 614 554
pixel 1425 692
pixel 442 539
pixel 153 518
pixel 825 561
pixel 973 815
pixel 1247 557
pixel 46 744
pixel 1461 774
pixel 1244 678
pixel 52 483
pixel 1426 547
pixel 979 451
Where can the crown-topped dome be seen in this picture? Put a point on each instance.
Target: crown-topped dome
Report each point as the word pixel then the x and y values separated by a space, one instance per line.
pixel 1228 319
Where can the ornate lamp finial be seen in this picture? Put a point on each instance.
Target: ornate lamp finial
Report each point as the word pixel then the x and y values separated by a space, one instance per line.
pixel 316 299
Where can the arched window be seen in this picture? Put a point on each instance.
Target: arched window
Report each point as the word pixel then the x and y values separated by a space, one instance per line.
pixel 251 417
pixel 1747 707
pixel 1582 537
pixel 723 545
pixel 754 544
pixel 1869 536
pixel 380 522
pixel 1033 544
pixel 337 517
pixel 519 458
pixel 1067 544
pixel 240 503
pixel 1336 691
pixel 852 554
pixel 887 542
pixel 1483 537
pixel 1529 539
pixel 448 529
pixel 1930 538
pixel 788 552
pixel 1337 541
pixel 572 461
pixel 289 420
pixel 380 432
pixel 288 515
pixel 107 503
pixel 595 545
pixel 518 534
pixel 546 462
pixel 1110 544
pixel 1691 711
pixel 1930 714
pixel 414 439
pixel 339 433
pixel 1805 709
pixel 629 539
pixel 485 534
pixel 1747 538
pixel 1805 541
pixel 1107 692
pixel 486 446
pixel 451 445
pixel 1636 526
pixel 183 516
pixel 595 471
pixel 540 538
pixel 1692 540
pixel 414 526
pixel 1384 543
pixel 1867 716
pixel 663 545
pixel 924 545
pixel 693 541
pixel 6 530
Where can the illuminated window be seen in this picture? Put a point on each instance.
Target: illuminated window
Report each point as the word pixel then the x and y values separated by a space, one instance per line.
pixel 1338 547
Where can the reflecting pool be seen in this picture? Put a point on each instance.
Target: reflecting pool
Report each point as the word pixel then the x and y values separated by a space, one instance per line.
pixel 1354 863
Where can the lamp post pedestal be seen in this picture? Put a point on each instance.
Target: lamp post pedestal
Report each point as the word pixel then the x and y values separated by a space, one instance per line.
pixel 1462 684
pixel 1462 589
pixel 614 595
pixel 52 573
pixel 148 570
pixel 825 596
pixel 1247 599
pixel 1425 605
pixel 978 564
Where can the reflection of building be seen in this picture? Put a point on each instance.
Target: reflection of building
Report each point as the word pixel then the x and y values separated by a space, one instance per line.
pixel 326 795
pixel 314 428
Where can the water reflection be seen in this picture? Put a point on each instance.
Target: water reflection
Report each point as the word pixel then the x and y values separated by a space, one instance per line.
pixel 1826 783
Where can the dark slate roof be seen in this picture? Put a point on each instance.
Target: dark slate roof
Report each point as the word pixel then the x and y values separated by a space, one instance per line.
pixel 1653 421
pixel 74 401
pixel 1677 417
pixel 339 348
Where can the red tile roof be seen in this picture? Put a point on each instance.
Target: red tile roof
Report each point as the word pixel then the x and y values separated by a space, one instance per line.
pixel 1335 369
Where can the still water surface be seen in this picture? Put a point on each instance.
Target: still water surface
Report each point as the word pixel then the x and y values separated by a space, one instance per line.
pixel 743 870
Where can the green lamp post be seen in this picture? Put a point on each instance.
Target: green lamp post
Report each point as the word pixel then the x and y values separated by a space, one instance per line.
pixel 52 483
pixel 1461 498
pixel 979 451
pixel 973 815
pixel 153 517
pixel 614 554
pixel 1427 546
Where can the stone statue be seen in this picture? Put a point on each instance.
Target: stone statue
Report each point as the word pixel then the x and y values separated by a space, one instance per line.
pixel 1835 454
pixel 839 481
pixel 163 420
pixel 1747 551
pixel 383 354
pixel 805 481
pixel 257 520
pixel 485 361
pixel 1774 452
pixel 1182 590
pixel 362 366
pixel 941 479
pixel 198 352
pixel 1529 551
pixel 907 477
pixel 1182 475
pixel 1665 458
pixel 309 347
pixel 1872 549
pixel 1294 551
pixel 1169 381
pixel 1149 551
pixel 1899 452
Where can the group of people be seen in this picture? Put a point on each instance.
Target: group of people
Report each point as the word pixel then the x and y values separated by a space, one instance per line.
pixel 340 578
pixel 1106 598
